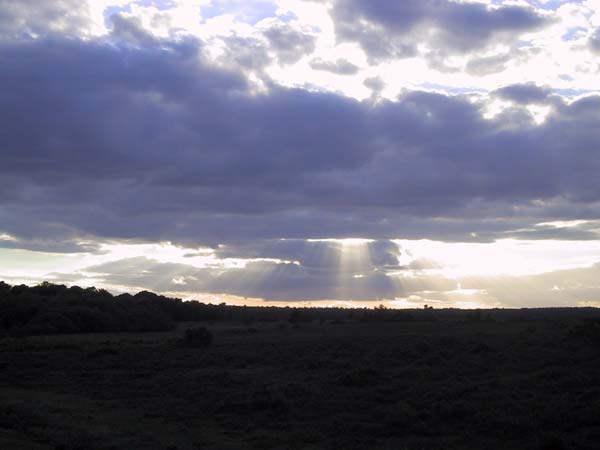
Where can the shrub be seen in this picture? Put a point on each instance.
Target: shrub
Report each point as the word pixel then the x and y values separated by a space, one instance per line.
pixel 197 337
pixel 552 442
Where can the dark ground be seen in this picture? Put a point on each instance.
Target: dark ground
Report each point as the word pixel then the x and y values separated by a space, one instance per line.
pixel 400 385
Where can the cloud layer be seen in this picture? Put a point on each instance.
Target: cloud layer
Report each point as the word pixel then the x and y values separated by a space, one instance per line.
pixel 155 142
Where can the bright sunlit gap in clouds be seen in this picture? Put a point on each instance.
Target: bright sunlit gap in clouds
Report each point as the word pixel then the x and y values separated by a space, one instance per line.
pixel 354 261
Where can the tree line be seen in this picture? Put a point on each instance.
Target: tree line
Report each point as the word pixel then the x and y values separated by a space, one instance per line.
pixel 57 309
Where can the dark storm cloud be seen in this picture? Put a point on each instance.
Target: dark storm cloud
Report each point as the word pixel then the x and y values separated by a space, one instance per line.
pixel 132 137
pixel 393 29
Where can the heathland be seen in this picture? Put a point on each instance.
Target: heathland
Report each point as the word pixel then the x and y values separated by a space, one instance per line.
pixel 82 369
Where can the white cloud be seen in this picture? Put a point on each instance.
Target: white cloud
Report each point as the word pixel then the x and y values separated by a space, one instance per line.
pixel 556 54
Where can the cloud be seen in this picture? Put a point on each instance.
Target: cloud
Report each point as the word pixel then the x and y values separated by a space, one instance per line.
pixel 559 288
pixel 424 264
pixel 340 66
pixel 129 29
pixel 376 84
pixel 317 270
pixel 155 142
pixel 289 43
pixel 394 29
pixel 316 253
pixel 245 53
pixel 524 93
pixel 49 245
pixel 151 133
pixel 487 65
pixel 594 41
pixel 320 276
pixel 21 18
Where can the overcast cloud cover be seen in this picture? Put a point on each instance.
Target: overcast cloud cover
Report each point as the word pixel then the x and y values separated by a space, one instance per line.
pixel 258 133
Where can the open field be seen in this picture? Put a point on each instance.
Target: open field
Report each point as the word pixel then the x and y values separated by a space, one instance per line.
pixel 390 385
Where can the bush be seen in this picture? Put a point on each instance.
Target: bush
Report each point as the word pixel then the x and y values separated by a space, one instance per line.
pixel 197 337
pixel 552 442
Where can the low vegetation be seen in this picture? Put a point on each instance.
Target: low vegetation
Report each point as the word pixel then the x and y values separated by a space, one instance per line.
pixel 285 378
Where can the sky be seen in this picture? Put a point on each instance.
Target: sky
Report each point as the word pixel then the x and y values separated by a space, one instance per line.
pixel 304 152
